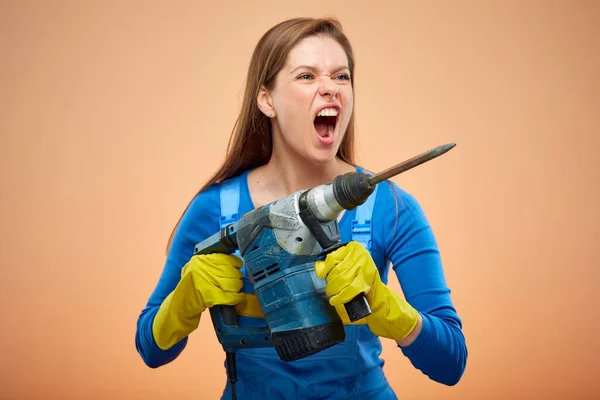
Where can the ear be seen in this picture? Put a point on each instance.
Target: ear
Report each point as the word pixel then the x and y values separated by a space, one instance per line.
pixel 265 102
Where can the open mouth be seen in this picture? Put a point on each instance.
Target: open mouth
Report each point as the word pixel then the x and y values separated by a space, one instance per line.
pixel 325 125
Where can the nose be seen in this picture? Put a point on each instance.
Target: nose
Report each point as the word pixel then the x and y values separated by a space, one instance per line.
pixel 328 88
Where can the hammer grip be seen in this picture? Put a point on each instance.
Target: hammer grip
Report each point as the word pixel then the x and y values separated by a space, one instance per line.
pixel 229 316
pixel 358 308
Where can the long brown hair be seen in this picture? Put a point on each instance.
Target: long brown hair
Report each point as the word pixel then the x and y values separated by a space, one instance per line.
pixel 250 143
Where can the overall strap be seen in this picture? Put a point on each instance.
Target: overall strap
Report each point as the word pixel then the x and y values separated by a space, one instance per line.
pixel 229 192
pixel 230 201
pixel 362 225
pixel 230 205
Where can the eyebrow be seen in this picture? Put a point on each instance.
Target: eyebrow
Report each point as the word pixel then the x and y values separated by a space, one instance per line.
pixel 337 69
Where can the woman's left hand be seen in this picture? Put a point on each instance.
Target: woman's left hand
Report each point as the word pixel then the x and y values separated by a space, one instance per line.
pixel 349 271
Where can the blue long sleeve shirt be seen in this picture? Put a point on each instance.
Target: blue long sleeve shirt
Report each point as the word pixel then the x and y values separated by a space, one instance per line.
pixel 402 242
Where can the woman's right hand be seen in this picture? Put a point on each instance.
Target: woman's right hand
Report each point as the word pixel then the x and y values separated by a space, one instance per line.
pixel 206 280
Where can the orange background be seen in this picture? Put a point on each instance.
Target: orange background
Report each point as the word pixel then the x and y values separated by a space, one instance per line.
pixel 112 115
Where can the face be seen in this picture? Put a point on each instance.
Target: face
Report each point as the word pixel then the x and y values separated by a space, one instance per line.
pixel 312 100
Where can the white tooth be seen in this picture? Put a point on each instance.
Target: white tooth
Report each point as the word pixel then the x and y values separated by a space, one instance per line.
pixel 328 112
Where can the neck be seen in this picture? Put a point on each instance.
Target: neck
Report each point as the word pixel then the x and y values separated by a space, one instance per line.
pixel 294 173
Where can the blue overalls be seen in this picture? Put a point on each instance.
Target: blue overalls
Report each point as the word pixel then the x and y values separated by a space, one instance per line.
pixel 349 370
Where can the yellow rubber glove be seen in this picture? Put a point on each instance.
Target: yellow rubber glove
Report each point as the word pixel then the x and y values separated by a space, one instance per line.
pixel 206 280
pixel 349 271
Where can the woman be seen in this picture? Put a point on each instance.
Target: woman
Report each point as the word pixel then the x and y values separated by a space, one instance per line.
pixel 296 131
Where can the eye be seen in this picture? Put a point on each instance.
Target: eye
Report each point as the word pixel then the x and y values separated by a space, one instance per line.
pixel 305 76
pixel 344 77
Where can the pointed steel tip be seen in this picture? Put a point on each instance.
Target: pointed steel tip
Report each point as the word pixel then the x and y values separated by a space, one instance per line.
pixel 446 147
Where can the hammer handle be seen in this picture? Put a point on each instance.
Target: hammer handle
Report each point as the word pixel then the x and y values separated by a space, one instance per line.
pixel 358 308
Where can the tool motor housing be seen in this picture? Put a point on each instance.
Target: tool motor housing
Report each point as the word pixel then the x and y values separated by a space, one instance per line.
pixel 280 252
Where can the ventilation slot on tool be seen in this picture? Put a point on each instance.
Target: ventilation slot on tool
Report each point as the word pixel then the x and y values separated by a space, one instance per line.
pixel 270 270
